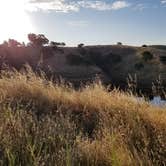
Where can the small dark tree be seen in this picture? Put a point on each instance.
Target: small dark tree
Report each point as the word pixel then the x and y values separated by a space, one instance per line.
pixel 144 45
pixel 80 45
pixel 41 40
pixel 63 44
pixel 147 56
pixel 38 40
pixel 119 43
pixel 57 44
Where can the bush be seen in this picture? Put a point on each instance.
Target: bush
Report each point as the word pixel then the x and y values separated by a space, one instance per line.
pixel 147 56
pixel 139 65
pixel 144 45
pixel 119 43
pixel 80 45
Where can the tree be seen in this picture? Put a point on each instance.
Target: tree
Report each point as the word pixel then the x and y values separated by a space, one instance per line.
pixel 13 43
pixel 80 45
pixel 37 40
pixel 144 45
pixel 119 43
pixel 57 44
pixel 32 37
pixel 147 56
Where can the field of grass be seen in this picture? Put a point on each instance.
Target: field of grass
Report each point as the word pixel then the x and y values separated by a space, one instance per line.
pixel 46 124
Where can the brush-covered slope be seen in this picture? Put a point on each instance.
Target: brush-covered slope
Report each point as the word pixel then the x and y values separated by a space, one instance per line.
pixel 113 64
pixel 42 123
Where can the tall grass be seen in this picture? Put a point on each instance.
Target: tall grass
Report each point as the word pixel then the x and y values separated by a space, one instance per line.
pixel 42 123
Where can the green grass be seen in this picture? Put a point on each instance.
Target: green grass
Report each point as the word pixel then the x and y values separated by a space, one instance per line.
pixel 42 123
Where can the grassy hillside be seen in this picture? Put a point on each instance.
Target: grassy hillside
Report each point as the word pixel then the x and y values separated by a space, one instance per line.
pixel 161 47
pixel 42 123
pixel 112 63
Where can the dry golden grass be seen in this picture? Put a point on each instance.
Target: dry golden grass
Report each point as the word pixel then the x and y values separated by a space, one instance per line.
pixel 52 124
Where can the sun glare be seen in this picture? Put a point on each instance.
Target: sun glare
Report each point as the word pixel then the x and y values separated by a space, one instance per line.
pixel 15 22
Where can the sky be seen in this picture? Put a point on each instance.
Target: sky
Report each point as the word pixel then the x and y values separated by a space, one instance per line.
pixel 92 22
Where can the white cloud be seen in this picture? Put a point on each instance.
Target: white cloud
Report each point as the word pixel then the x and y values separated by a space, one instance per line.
pixel 66 5
pixel 119 5
pixel 97 5
pixel 140 7
pixel 101 5
pixel 55 5
pixel 163 1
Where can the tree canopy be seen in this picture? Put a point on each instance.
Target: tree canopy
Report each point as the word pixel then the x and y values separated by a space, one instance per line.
pixel 37 40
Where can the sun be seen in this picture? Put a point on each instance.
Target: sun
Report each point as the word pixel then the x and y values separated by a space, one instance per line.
pixel 14 20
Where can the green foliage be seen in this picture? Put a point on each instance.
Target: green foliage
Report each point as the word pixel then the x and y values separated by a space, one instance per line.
pixel 147 56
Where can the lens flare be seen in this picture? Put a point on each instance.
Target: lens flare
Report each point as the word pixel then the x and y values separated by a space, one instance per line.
pixel 14 20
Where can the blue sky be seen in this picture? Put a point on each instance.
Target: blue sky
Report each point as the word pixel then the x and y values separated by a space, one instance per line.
pixel 92 22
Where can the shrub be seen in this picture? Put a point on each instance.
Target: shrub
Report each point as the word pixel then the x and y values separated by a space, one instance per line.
pixel 57 44
pixel 119 43
pixel 144 45
pixel 80 45
pixel 147 56
pixel 139 66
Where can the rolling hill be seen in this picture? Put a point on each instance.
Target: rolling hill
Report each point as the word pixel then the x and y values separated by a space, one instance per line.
pixel 119 65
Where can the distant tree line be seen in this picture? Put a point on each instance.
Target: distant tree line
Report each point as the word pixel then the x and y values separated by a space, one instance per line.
pixel 38 40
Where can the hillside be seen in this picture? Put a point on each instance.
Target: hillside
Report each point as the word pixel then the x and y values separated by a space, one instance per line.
pixel 113 64
pixel 52 124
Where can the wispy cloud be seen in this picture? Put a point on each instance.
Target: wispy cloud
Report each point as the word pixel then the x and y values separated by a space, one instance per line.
pixel 67 6
pixel 78 23
pixel 140 6
pixel 119 5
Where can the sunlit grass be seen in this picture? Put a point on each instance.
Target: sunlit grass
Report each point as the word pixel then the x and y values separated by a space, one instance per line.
pixel 43 123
